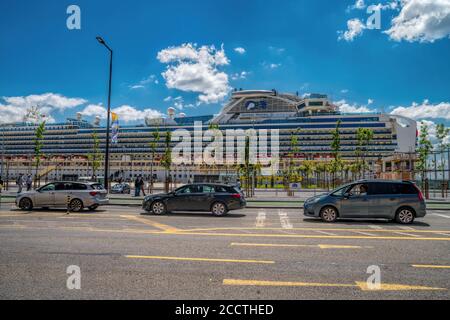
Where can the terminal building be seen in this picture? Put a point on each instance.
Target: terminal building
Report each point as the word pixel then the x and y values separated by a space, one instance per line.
pixel 312 118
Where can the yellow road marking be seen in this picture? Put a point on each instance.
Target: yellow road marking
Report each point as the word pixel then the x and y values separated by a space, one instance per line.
pixel 430 266
pixel 200 259
pixel 361 285
pixel 394 287
pixel 318 229
pixel 264 235
pixel 256 235
pixel 154 224
pixel 321 246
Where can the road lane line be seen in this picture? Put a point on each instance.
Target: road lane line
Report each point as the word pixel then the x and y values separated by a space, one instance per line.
pixel 265 235
pixel 327 233
pixel 280 245
pixel 157 225
pixel 254 235
pixel 313 229
pixel 358 284
pixel 407 234
pixel 199 259
pixel 365 233
pixel 440 215
pixel 407 228
pixel 427 266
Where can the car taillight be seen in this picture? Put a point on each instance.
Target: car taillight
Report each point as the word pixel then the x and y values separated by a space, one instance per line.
pixel 93 193
pixel 236 195
pixel 419 193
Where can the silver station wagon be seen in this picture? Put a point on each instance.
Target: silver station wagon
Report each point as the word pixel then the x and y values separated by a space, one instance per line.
pixel 401 201
pixel 76 195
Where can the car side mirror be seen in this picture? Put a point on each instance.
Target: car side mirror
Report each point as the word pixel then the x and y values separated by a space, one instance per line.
pixel 347 195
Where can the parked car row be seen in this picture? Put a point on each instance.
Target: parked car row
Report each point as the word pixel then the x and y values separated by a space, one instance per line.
pixel 401 201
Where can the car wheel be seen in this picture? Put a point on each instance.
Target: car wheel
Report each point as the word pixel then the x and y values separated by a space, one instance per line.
pixel 26 204
pixel 76 205
pixel 94 207
pixel 218 209
pixel 405 216
pixel 158 208
pixel 329 214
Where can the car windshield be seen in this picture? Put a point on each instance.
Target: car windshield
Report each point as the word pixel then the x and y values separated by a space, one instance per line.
pixel 339 191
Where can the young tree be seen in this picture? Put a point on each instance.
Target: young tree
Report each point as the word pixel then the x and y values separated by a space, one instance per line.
pixel 424 148
pixel 166 160
pixel 38 144
pixel 441 134
pixel 363 136
pixel 293 151
pixel 336 164
pixel 153 146
pixel 95 156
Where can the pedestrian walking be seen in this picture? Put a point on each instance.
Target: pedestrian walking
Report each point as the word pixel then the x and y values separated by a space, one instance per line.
pixel 19 183
pixel 137 186
pixel 142 186
pixel 29 182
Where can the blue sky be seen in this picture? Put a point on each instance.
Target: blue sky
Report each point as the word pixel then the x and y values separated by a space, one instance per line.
pixel 290 45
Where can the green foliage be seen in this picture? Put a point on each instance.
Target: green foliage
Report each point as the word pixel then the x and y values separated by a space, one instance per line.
pixel 38 144
pixel 425 147
pixel 95 156
pixel 166 160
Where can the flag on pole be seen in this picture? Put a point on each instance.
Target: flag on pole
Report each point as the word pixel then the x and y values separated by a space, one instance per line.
pixel 115 128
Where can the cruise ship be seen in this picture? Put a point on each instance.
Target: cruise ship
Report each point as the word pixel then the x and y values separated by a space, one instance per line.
pixel 311 117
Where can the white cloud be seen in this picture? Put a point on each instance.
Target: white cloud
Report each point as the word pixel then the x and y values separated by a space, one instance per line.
pixel 277 50
pixel 178 102
pixel 345 107
pixel 141 84
pixel 15 108
pixel 271 65
pixel 370 101
pixel 240 50
pixel 421 20
pixel 355 28
pixel 126 113
pixel 425 110
pixel 193 69
pixel 359 4
pixel 344 91
pixel 241 75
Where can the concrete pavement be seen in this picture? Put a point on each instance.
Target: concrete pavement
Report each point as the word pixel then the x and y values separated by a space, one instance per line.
pixel 250 254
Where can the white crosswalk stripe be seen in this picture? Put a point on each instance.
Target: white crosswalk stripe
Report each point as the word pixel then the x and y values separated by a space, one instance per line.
pixel 284 220
pixel 260 219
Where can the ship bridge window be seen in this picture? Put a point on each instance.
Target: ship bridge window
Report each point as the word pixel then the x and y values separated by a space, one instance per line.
pixel 315 103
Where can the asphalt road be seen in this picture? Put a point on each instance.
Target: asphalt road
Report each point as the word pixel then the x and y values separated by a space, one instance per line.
pixel 250 254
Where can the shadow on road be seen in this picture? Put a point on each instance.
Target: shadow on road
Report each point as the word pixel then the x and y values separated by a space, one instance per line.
pixel 197 214
pixel 383 222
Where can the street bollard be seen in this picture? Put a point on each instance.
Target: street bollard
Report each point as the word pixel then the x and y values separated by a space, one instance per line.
pixel 68 204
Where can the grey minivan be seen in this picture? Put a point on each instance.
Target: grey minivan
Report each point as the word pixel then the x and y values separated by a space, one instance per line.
pixel 401 201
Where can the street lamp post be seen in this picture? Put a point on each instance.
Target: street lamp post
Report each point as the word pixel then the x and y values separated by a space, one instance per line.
pixel 106 175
